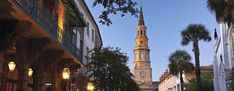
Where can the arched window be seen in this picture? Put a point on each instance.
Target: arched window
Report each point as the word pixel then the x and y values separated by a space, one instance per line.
pixel 146 56
pixel 141 56
pixel 141 32
pixel 137 56
pixel 141 42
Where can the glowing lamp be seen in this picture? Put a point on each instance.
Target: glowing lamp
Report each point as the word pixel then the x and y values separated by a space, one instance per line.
pixel 30 72
pixel 11 66
pixel 90 87
pixel 66 73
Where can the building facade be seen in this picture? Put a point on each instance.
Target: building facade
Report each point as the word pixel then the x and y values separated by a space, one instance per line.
pixel 142 70
pixel 91 34
pixel 45 42
pixel 169 82
pixel 163 82
pixel 223 56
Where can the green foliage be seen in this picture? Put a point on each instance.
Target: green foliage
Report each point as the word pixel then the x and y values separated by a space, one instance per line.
pixel 222 9
pixel 114 7
pixel 108 70
pixel 207 83
pixel 194 33
pixel 179 62
pixel 217 7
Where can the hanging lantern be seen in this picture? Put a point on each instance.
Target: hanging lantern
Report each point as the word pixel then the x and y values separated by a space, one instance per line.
pixel 30 72
pixel 90 86
pixel 11 66
pixel 66 73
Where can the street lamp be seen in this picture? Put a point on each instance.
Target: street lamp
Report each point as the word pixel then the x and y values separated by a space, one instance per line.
pixel 11 66
pixel 30 72
pixel 90 86
pixel 66 73
pixel 66 76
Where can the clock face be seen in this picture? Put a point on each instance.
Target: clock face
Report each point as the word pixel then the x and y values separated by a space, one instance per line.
pixel 142 73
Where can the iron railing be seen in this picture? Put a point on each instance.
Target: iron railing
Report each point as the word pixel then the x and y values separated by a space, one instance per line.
pixel 49 23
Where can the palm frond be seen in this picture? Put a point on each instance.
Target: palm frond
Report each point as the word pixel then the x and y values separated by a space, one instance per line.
pixel 217 7
pixel 185 38
pixel 180 61
pixel 195 32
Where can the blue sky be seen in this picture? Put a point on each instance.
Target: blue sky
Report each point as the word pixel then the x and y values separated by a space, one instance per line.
pixel 165 19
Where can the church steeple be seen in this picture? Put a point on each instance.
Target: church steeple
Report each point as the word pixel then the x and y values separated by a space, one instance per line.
pixel 141 18
pixel 142 69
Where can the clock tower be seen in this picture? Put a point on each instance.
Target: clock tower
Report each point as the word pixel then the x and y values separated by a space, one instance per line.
pixel 142 70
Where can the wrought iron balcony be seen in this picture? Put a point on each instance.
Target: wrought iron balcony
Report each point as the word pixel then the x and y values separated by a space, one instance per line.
pixel 49 23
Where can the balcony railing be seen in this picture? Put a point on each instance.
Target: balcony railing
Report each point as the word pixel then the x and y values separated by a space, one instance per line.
pixel 39 15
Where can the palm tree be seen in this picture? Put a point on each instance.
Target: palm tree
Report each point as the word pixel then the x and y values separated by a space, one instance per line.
pixel 222 9
pixel 180 63
pixel 194 33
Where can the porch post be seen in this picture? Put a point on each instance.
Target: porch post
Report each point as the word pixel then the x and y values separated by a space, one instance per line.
pixel 23 77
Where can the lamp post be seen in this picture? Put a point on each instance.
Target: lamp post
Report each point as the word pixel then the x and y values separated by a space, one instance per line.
pixel 30 72
pixel 66 76
pixel 11 66
pixel 90 86
pixel 66 73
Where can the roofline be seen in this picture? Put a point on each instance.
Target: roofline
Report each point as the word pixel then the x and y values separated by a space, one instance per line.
pixel 93 20
pixel 164 76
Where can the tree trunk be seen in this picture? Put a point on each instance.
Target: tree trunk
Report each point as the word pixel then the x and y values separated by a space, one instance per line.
pixel 197 62
pixel 181 81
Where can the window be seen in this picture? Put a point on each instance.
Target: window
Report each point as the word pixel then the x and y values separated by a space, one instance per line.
pixel 87 54
pixel 137 57
pixel 141 56
pixel 146 56
pixel 87 51
pixel 221 58
pixel 88 28
pixel 73 38
pixel 93 35
pixel 141 42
